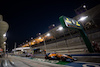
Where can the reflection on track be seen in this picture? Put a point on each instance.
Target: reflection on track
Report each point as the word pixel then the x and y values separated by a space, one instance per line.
pixel 26 63
pixel 2 63
pixel 9 63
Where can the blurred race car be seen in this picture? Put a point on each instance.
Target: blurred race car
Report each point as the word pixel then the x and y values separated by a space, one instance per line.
pixel 61 57
pixel 26 55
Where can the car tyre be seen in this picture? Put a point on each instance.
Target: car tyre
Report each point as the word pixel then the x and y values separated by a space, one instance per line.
pixel 63 59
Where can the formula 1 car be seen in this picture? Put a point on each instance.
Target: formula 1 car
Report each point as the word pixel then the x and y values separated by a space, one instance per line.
pixel 61 57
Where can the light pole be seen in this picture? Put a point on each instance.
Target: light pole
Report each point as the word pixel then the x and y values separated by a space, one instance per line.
pixel 5 48
pixel 30 47
pixel 15 48
pixel 44 38
pixel 31 50
pixel 44 43
pixel 54 36
pixel 60 29
pixel 47 35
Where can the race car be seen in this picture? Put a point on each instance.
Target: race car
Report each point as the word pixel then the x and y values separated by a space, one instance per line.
pixel 61 57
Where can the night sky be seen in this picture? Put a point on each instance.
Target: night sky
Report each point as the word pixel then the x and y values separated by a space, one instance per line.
pixel 27 18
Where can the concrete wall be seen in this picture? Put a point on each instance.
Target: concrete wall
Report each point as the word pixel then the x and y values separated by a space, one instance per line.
pixel 71 46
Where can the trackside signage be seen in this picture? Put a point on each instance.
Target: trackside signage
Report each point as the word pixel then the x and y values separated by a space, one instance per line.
pixel 69 23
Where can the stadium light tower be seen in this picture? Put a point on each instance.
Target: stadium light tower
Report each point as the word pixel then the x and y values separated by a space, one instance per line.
pixel 31 37
pixel 60 28
pixel 4 42
pixel 48 34
pixel 39 33
pixel 39 37
pixel 83 18
pixel 33 40
pixel 84 6
pixel 4 35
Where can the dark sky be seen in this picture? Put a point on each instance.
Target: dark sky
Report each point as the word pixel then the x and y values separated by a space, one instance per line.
pixel 27 18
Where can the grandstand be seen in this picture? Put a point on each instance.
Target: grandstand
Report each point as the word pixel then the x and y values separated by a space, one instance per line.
pixel 69 41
